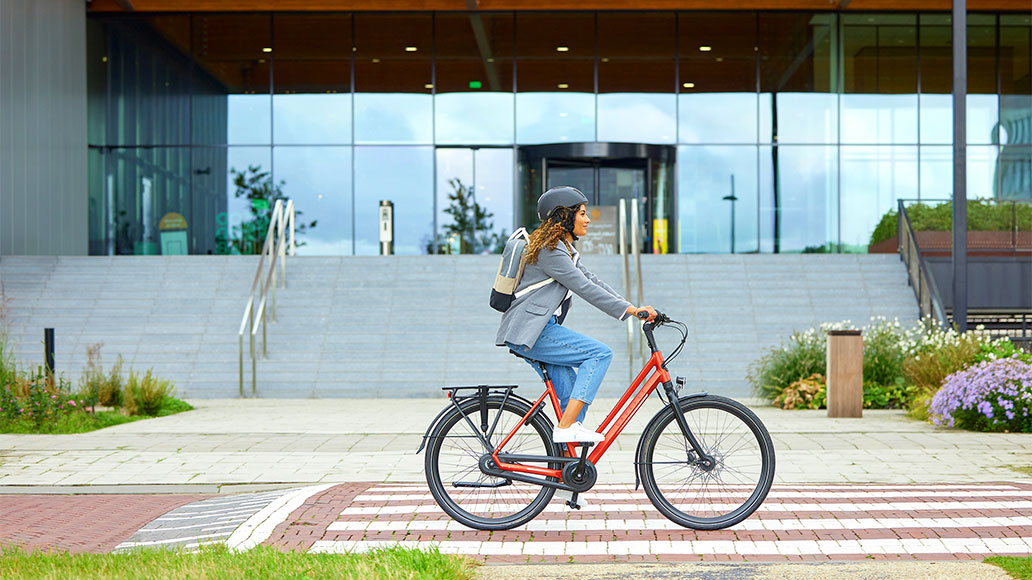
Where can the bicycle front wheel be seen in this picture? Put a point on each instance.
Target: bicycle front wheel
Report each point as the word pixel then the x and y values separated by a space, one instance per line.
pixel 703 497
pixel 453 473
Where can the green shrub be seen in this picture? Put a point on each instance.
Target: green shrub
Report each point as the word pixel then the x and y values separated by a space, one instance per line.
pixel 145 394
pixel 901 365
pixel 801 356
pixel 110 388
pixel 983 215
pixel 808 393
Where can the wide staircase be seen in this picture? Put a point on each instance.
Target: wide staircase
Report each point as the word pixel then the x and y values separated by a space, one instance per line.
pixel 403 326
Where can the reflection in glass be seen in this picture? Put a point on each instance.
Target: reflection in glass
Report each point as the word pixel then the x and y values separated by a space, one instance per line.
pixel 393 79
pixel 718 117
pixel 981 171
pixel 141 186
pixel 555 99
pixel 318 179
pixel 879 62
pixel 143 80
pixel 312 119
pixel 806 191
pixel 879 119
pixel 637 118
pixel 798 77
pixel 873 178
pixel 636 77
pixel 474 59
pixel 707 174
pixel 222 180
pixel 494 189
pixel 232 78
pixel 377 177
pixel 936 172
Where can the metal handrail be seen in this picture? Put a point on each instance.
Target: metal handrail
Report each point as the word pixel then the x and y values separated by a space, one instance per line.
pixel 636 253
pixel 279 240
pixel 919 276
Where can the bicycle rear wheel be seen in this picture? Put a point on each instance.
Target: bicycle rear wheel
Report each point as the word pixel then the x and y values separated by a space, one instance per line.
pixel 453 472
pixel 685 491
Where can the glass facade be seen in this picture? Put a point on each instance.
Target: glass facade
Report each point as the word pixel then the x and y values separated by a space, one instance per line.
pixel 735 131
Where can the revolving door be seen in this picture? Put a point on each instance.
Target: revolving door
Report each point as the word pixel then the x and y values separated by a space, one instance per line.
pixel 606 173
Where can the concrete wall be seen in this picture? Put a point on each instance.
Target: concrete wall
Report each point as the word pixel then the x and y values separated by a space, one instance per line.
pixel 43 198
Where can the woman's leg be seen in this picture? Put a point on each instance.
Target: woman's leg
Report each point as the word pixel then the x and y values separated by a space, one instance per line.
pixel 563 347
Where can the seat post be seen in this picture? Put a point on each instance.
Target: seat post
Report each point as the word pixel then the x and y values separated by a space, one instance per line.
pixel 544 371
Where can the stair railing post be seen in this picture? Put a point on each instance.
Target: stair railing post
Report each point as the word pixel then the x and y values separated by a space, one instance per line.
pixel 637 261
pixel 622 221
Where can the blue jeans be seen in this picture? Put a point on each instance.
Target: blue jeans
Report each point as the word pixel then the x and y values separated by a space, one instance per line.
pixel 563 350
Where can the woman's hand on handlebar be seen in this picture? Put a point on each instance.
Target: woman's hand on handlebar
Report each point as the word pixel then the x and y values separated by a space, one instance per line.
pixel 646 313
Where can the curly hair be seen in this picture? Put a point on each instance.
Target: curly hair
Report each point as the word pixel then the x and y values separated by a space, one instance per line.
pixel 550 232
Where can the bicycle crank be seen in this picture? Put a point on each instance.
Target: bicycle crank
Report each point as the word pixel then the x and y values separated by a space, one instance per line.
pixel 580 477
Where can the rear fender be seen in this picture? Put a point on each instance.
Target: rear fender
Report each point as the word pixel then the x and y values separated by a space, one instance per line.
pixel 472 400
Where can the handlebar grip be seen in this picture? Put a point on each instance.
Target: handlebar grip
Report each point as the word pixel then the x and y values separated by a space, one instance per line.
pixel 642 315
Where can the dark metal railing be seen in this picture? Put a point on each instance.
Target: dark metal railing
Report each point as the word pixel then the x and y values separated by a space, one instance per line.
pixel 918 273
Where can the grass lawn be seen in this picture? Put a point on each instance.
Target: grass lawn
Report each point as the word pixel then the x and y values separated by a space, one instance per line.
pixel 80 421
pixel 218 562
pixel 1020 568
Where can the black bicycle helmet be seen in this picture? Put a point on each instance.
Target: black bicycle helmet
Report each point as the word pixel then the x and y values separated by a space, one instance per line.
pixel 557 197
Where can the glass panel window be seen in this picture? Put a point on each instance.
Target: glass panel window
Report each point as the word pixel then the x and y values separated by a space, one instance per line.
pixel 231 101
pixel 936 172
pixel 982 171
pixel 141 187
pixel 636 76
pixel 1016 79
pixel 798 78
pixel 805 193
pixel 318 179
pixel 873 178
pixel 708 176
pixel 143 66
pixel 555 98
pixel 231 198
pixel 311 100
pixel 393 78
pixel 717 78
pixel 377 177
pixel 1015 173
pixel 879 104
pixel 474 102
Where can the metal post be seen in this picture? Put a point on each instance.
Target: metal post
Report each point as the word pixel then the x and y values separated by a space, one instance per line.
pixel 48 354
pixel 622 221
pixel 960 164
pixel 732 199
pixel 386 227
pixel 637 261
pixel 240 338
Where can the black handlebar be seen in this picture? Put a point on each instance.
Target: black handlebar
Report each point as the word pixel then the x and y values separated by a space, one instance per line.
pixel 660 317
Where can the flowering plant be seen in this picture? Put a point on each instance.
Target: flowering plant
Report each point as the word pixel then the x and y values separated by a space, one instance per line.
pixel 993 395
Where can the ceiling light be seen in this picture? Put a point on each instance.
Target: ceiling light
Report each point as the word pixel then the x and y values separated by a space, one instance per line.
pixel 689 85
pixel 705 48
pixel 376 60
pixel 564 86
pixel 720 59
pixel 428 86
pixel 562 49
pixel 490 60
pixel 267 49
pixel 605 60
pixel 411 49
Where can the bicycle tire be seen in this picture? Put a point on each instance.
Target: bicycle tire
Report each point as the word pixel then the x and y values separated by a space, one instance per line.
pixel 454 453
pixel 686 493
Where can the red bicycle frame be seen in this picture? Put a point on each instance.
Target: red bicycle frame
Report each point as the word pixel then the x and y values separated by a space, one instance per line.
pixel 651 375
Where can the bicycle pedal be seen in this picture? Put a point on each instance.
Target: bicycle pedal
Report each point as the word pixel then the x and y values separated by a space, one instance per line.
pixel 573 505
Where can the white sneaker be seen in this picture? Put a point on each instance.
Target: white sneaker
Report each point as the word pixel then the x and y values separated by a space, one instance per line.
pixel 567 496
pixel 576 433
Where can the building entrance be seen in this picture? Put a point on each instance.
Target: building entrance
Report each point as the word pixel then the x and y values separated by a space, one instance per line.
pixel 606 173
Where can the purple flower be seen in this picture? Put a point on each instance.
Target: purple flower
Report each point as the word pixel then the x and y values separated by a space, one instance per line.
pixel 995 390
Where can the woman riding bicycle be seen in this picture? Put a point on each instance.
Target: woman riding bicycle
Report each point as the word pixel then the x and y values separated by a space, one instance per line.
pixel 532 325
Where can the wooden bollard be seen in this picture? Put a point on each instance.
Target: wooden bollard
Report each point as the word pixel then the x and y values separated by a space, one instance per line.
pixel 845 373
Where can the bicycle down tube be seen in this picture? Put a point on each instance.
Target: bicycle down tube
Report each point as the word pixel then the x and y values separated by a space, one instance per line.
pixel 650 376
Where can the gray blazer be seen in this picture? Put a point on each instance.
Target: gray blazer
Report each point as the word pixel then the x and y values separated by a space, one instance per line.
pixel 523 322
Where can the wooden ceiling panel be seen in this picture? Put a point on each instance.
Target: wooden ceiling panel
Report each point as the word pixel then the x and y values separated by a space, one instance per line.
pixel 527 5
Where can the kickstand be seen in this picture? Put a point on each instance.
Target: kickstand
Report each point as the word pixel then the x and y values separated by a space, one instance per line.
pixel 573 502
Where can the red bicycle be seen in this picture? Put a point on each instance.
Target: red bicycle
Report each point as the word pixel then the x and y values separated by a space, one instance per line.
pixel 706 461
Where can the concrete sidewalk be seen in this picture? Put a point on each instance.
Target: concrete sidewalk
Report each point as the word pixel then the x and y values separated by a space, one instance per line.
pixel 251 444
